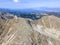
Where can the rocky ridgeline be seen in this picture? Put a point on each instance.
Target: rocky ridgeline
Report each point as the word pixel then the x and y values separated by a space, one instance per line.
pixel 22 31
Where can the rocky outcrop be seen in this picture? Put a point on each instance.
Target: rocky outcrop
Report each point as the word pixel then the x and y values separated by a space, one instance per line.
pixel 21 31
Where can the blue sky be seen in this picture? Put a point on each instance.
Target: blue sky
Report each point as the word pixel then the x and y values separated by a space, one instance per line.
pixel 22 4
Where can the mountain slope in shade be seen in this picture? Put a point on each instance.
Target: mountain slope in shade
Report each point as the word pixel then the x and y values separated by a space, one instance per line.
pixel 23 31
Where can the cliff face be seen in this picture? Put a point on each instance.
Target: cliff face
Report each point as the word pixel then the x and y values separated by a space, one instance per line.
pixel 20 31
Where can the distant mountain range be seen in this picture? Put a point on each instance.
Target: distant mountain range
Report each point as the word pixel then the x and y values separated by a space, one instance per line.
pixel 49 9
pixel 21 11
pixel 29 12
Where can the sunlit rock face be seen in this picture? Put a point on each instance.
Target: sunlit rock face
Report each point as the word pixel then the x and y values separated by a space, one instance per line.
pixel 20 31
pixel 17 31
pixel 48 26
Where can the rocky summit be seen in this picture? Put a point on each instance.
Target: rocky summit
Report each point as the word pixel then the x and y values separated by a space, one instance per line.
pixel 22 31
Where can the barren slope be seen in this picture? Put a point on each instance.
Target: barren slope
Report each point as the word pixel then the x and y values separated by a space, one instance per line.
pixel 20 31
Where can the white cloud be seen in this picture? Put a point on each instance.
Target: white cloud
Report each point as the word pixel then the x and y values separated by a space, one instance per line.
pixel 15 1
